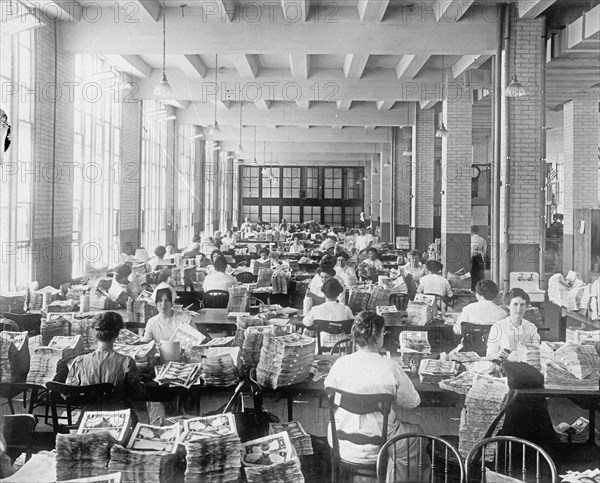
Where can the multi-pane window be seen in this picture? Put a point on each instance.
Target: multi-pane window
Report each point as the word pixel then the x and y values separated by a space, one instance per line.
pixel 186 184
pixel 301 194
pixel 97 168
pixel 154 179
pixel 17 53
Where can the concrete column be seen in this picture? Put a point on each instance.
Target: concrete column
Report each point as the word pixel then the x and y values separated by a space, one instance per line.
pixel 456 183
pixel 402 184
pixel 375 190
pixel 367 186
pixel 521 123
pixel 386 184
pixel 423 146
pixel 581 143
pixel 210 190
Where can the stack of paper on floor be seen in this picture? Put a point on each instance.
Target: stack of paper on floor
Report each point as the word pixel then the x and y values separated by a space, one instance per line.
pixel 271 459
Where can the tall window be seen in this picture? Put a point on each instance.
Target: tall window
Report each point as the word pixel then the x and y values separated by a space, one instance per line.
pixel 300 194
pixel 186 184
pixel 154 176
pixel 17 53
pixel 97 167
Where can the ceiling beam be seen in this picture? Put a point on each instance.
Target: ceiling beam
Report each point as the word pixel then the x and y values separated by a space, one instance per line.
pixel 191 65
pixel 385 105
pixel 246 65
pixel 451 10
pixel 132 64
pixel 324 85
pixel 295 10
pixel 372 10
pixel 62 10
pixel 292 158
pixel 354 65
pixel 221 11
pixel 149 8
pixel 263 104
pixel 424 105
pixel 530 9
pixel 468 62
pixel 321 134
pixel 300 65
pixel 396 36
pixel 321 114
pixel 299 147
pixel 410 65
pixel 178 104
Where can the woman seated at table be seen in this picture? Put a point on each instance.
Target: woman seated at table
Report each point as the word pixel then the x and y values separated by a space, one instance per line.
pixel 413 266
pixel 216 254
pixel 228 239
pixel 122 287
pixel 104 365
pixel 262 262
pixel 332 310
pixel 324 273
pixel 219 279
pixel 506 334
pixel 484 311
pixel 163 326
pixel 345 271
pixel 433 283
pixel 367 372
pixel 159 255
pixel 372 259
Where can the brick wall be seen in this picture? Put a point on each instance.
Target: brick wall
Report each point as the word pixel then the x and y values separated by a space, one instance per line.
pixel 375 187
pixel 52 224
pixel 523 122
pixel 456 183
pixel 385 189
pixel 424 196
pixel 402 184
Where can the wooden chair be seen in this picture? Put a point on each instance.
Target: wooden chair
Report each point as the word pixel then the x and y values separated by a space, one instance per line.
pixel 8 325
pixel 246 277
pixel 26 322
pixel 75 397
pixel 508 453
pixel 344 346
pixel 216 299
pixel 357 404
pixel 331 327
pixel 19 433
pixel 426 445
pixel 475 337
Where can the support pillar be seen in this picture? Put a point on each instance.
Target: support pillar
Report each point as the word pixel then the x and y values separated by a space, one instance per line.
pixel 375 191
pixel 386 186
pixel 402 184
pixel 423 148
pixel 456 183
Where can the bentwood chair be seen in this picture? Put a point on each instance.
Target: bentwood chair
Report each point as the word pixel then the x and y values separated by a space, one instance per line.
pixel 216 299
pixel 475 337
pixel 8 325
pixel 449 468
pixel 356 404
pixel 246 277
pixel 331 327
pixel 513 457
pixel 72 397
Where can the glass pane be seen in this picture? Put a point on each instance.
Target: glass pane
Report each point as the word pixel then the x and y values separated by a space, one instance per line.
pixel 312 183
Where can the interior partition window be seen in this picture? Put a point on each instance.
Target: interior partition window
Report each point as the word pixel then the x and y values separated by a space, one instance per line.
pixel 186 185
pixel 17 56
pixel 299 194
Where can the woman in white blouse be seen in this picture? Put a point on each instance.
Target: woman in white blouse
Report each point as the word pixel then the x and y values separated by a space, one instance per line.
pixel 367 372
pixel 163 326
pixel 506 334
pixel 297 246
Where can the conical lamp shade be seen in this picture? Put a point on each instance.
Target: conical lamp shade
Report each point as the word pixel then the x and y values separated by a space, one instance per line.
pixel 442 132
pixel 515 88
pixel 163 89
pixel 408 150
pixel 214 130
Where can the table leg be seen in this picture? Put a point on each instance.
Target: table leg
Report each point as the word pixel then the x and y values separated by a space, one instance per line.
pixel 592 427
pixel 562 328
pixel 290 406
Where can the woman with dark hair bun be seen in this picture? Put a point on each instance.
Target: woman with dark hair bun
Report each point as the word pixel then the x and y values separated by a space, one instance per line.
pixel 367 372
pixel 104 365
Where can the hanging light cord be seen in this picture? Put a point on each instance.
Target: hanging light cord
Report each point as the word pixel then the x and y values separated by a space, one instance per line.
pixel 216 85
pixel 164 38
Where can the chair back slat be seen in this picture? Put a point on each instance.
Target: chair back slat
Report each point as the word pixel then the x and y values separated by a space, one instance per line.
pixel 509 446
pixel 216 299
pixel 419 446
pixel 331 327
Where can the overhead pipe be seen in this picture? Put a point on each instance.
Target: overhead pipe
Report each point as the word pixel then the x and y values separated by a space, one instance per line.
pixel 542 174
pixel 507 161
pixel 497 146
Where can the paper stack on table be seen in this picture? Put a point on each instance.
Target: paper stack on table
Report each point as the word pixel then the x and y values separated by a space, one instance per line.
pixel 298 436
pixel 188 337
pixel 459 384
pixel 419 313
pixel 54 324
pixel 82 455
pixel 213 449
pixel 116 423
pixel 144 355
pixel 587 476
pixel 572 367
pixel 482 404
pixel 579 360
pixel 44 365
pixel 432 371
pixel 271 459
pixel 464 357
pixel 126 337
pixel 14 355
pixel 178 374
pixel 136 466
pixel 253 342
pixel 154 438
pixel 529 353
pixel 82 324
pixel 285 360
pixel 71 346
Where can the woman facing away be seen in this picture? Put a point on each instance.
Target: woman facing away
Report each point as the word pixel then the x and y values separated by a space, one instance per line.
pixel 367 372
